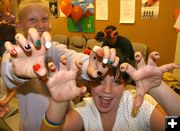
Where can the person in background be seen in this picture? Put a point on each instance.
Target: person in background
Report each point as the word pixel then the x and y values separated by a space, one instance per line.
pixel 33 51
pixel 112 106
pixel 99 36
pixel 120 43
pixel 7 24
pixel 151 3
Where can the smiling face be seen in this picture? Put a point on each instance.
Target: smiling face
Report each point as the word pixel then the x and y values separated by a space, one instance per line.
pixel 107 94
pixel 35 16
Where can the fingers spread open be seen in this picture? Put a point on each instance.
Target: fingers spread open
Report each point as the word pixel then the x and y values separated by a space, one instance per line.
pixel 33 35
pixel 47 40
pixel 139 60
pixel 39 70
pixel 22 42
pixel 10 48
pixel 126 67
pixel 76 66
pixel 153 57
pixel 81 90
pixel 112 57
pixel 139 97
pixel 116 62
pixel 169 67
pixel 63 62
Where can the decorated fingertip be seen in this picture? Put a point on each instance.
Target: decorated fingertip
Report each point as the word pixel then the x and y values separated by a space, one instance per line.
pixel 63 59
pixel 155 55
pixel 36 67
pixel 37 43
pixel 51 66
pixel 48 44
pixel 13 52
pixel 138 57
pixel 27 47
pixel 39 70
pixel 123 67
pixel 105 60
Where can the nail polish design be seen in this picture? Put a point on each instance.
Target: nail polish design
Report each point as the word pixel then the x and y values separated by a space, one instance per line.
pixel 48 44
pixel 36 67
pixel 27 47
pixel 110 62
pixel 13 52
pixel 38 43
pixel 105 60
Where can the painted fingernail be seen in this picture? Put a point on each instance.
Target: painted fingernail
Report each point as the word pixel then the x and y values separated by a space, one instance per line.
pixel 122 68
pixel 38 43
pixel 27 47
pixel 13 52
pixel 109 62
pixel 52 66
pixel 48 44
pixel 36 67
pixel 105 60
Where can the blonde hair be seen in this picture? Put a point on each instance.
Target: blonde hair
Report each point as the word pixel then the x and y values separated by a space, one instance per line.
pixel 26 3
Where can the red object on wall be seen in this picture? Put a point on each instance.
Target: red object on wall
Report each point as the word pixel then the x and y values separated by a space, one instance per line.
pixel 177 13
pixel 66 7
pixel 76 13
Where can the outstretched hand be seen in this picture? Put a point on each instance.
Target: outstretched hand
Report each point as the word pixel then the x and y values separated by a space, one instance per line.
pixel 146 76
pixel 28 54
pixel 62 83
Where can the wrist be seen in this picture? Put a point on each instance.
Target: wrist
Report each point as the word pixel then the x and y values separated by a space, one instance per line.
pixel 157 90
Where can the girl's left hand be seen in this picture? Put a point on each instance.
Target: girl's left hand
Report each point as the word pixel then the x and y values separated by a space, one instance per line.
pixel 146 76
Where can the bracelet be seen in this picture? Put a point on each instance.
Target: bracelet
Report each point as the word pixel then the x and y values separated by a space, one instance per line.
pixel 52 124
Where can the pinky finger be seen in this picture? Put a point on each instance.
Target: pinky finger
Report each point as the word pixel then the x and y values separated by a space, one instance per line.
pixel 9 47
pixel 169 67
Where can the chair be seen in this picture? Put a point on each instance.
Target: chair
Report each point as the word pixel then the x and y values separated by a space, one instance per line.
pixel 62 39
pixel 91 43
pixel 77 43
pixel 140 47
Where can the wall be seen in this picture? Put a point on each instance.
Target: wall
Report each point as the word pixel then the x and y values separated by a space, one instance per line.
pixel 176 73
pixel 158 34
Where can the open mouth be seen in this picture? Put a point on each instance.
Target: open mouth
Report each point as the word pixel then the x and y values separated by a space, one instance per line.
pixel 105 101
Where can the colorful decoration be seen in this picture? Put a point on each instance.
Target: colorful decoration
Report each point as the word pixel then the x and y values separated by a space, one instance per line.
pixel 80 15
pixel 66 7
pixel 76 13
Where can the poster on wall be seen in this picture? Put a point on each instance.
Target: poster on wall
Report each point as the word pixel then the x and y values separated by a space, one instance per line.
pixel 150 9
pixel 80 15
pixel 53 6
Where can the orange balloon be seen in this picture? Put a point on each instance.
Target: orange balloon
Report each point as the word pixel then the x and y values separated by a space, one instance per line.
pixel 76 13
pixel 66 7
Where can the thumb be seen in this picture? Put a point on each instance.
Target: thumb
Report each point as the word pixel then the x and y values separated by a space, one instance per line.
pixel 139 98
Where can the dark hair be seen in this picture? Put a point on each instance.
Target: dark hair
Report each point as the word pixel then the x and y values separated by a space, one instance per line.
pixel 110 27
pixel 99 36
pixel 109 33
